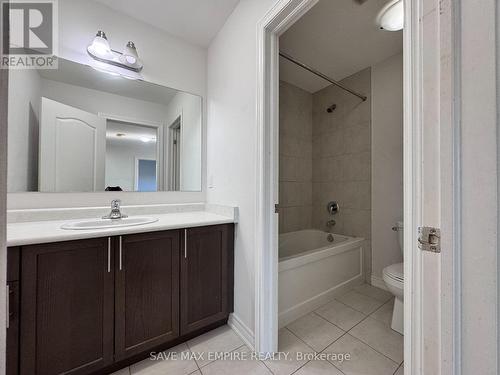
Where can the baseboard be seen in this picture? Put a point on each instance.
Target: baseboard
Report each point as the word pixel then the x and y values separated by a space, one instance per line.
pixel 242 331
pixel 317 301
pixel 378 282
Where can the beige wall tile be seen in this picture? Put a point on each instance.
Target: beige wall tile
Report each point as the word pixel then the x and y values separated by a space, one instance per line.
pixel 295 159
pixel 341 161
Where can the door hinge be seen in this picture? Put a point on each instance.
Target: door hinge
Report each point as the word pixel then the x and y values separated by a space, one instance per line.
pixel 276 208
pixel 429 239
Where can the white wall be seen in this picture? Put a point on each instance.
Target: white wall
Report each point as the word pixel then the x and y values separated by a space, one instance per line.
pixel 387 161
pixel 231 139
pixel 24 111
pixel 189 106
pixel 120 161
pixel 168 61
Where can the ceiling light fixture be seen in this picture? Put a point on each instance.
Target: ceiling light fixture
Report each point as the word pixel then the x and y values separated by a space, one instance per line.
pixel 100 51
pixel 392 16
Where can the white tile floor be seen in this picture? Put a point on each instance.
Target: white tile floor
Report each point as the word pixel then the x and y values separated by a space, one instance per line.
pixel 356 323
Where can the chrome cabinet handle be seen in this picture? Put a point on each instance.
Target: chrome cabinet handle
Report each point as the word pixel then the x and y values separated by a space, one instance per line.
pixel 120 251
pixel 109 254
pixel 185 244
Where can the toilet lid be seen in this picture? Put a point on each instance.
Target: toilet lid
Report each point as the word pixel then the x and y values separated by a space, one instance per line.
pixel 395 271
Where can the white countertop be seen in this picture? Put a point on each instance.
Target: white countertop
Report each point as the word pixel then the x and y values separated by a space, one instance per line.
pixel 36 232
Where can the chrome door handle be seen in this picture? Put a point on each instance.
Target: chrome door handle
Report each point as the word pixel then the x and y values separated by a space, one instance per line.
pixel 120 251
pixel 109 254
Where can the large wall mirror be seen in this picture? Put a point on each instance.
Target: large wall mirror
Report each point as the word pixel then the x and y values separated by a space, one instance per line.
pixel 77 129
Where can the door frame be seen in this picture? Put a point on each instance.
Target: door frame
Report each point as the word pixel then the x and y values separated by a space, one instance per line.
pixel 276 22
pixel 169 152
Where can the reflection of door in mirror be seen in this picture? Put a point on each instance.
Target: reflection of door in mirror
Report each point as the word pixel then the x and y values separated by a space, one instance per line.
pixel 72 147
pixel 145 175
pixel 131 156
pixel 175 155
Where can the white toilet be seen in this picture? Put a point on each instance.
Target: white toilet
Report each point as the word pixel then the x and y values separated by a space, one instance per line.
pixel 394 279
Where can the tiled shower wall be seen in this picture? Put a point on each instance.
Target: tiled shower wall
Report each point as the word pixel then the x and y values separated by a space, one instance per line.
pixel 326 156
pixel 342 159
pixel 295 159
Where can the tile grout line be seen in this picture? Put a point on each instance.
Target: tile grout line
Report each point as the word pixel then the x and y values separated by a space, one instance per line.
pixel 326 320
pixel 361 294
pixel 343 334
pixel 365 294
pixel 401 365
pixel 357 338
pixel 348 332
pixel 195 361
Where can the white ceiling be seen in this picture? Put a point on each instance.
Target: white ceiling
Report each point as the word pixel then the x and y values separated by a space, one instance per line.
pixel 196 21
pixel 131 132
pixel 338 38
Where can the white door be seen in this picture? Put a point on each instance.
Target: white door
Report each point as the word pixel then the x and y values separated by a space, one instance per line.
pixel 452 315
pixel 72 149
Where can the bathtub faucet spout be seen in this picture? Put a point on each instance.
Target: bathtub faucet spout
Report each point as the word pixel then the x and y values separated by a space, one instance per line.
pixel 330 223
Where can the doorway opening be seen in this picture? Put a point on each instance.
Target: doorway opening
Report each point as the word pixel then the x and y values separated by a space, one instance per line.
pixel 175 155
pixel 341 184
pixel 132 156
pixel 350 109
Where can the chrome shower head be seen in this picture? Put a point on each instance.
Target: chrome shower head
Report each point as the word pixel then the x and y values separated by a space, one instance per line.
pixel 331 108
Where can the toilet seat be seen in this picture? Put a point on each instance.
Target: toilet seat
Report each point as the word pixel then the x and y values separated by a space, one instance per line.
pixel 395 272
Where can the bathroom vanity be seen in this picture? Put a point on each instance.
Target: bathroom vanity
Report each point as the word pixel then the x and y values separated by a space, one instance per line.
pixel 94 305
pixel 89 296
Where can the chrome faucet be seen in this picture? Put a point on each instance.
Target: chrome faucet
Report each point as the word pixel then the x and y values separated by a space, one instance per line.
pixel 115 213
pixel 330 224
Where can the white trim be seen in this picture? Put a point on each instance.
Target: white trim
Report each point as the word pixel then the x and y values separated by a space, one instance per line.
pixel 245 333
pixel 168 151
pixel 129 120
pixel 273 24
pixel 378 282
pixel 412 185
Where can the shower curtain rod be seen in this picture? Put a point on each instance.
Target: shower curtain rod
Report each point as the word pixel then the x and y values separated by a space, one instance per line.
pixel 319 74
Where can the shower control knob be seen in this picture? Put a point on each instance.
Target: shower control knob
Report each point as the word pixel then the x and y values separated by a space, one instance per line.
pixel 333 207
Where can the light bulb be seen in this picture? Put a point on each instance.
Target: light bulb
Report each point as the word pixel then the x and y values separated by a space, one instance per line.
pixel 129 55
pixel 100 46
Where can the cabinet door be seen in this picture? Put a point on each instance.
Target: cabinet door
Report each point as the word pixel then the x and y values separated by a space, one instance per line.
pixel 66 307
pixel 12 355
pixel 206 276
pixel 147 291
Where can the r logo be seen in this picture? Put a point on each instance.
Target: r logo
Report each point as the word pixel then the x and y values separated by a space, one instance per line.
pixel 31 28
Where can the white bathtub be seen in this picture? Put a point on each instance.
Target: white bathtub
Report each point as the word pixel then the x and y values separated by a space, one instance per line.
pixel 313 270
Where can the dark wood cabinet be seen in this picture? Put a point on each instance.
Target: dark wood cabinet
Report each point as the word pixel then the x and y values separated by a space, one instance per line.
pixel 206 280
pixel 147 292
pixel 93 306
pixel 67 308
pixel 12 358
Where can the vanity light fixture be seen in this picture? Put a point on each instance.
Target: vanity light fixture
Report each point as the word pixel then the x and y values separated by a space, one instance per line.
pixel 100 51
pixel 392 16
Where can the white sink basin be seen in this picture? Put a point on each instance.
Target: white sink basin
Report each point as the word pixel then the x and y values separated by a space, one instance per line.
pixel 108 223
